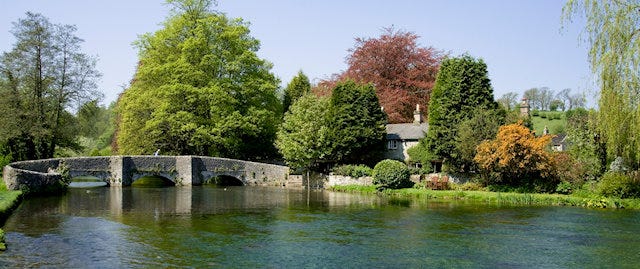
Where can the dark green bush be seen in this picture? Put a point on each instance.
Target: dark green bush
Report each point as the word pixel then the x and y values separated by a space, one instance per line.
pixel 391 174
pixel 535 113
pixel 619 185
pixel 353 170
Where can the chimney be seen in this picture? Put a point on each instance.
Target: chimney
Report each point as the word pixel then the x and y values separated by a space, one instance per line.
pixel 417 115
pixel 524 107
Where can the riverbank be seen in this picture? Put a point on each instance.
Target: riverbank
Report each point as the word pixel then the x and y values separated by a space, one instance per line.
pixel 9 200
pixel 503 198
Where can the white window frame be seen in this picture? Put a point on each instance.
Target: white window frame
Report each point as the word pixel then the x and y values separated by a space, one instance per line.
pixel 392 144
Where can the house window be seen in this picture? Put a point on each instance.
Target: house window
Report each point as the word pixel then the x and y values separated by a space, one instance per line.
pixel 392 144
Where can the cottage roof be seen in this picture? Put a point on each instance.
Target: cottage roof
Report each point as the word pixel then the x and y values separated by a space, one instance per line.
pixel 406 131
pixel 558 139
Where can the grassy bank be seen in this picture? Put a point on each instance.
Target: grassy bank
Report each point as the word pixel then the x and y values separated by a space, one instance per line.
pixel 502 198
pixel 9 200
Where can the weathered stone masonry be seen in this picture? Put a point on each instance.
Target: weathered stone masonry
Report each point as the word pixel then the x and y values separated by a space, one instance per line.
pixel 123 170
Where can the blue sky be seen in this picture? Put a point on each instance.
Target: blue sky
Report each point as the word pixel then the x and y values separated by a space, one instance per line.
pixel 522 41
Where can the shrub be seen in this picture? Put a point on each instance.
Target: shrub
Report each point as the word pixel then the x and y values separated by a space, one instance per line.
pixel 391 174
pixel 517 158
pixel 564 187
pixel 535 113
pixel 353 170
pixel 471 186
pixel 620 185
pixel 420 171
pixel 543 115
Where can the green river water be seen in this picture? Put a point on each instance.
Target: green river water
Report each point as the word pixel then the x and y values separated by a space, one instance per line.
pixel 256 227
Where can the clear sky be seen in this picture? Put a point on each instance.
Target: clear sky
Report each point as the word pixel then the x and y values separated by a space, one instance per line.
pixel 522 41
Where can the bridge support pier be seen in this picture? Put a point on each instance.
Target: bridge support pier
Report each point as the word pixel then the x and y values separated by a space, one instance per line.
pixel 117 170
pixel 187 172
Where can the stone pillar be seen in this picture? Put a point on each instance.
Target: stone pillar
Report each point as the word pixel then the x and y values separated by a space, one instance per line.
pixel 116 169
pixel 186 172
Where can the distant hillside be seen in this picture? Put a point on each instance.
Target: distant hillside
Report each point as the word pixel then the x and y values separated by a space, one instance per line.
pixel 554 120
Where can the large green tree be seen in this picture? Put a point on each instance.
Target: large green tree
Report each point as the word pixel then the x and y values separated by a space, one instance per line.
pixel 43 76
pixel 200 89
pixel 348 127
pixel 96 128
pixel 358 131
pixel 612 32
pixel 462 87
pixel 298 87
pixel 483 125
pixel 303 137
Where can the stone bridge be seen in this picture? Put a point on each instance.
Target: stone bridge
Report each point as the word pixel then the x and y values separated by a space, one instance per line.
pixel 43 175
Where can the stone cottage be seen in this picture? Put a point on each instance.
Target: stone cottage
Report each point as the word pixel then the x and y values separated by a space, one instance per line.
pixel 403 136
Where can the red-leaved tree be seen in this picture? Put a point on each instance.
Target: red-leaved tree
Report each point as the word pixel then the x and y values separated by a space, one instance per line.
pixel 402 72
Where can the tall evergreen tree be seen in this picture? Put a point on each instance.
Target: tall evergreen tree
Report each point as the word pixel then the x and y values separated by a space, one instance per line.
pixel 298 87
pixel 200 89
pixel 462 86
pixel 358 130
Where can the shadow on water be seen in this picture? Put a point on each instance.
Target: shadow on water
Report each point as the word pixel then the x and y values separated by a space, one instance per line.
pixel 224 181
pixel 152 182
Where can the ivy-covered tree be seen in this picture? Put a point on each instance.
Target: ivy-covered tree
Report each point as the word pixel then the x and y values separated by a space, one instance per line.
pixel 298 87
pixel 462 87
pixel 358 131
pixel 200 89
pixel 303 137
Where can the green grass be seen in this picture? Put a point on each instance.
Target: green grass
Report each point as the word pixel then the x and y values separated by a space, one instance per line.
pixel 501 198
pixel 555 126
pixel 8 199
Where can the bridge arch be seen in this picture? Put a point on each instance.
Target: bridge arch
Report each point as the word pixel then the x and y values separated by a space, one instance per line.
pixel 226 180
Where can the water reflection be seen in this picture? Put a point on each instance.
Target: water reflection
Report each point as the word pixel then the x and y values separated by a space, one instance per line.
pixel 206 226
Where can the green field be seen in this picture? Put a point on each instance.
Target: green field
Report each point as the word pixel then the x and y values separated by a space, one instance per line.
pixel 554 120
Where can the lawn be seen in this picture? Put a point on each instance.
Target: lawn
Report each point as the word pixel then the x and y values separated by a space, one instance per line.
pixel 8 201
pixel 554 120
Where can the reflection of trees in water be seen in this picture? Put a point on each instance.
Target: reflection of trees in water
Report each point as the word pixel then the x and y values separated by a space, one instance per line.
pixel 37 215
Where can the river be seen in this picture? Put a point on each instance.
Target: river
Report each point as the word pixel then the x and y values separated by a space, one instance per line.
pixel 257 227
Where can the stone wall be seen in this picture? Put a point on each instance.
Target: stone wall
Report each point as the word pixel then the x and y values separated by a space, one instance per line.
pixel 335 180
pixel 32 181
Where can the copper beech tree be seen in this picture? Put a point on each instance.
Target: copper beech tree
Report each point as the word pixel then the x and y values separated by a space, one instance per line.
pixel 402 71
pixel 517 158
